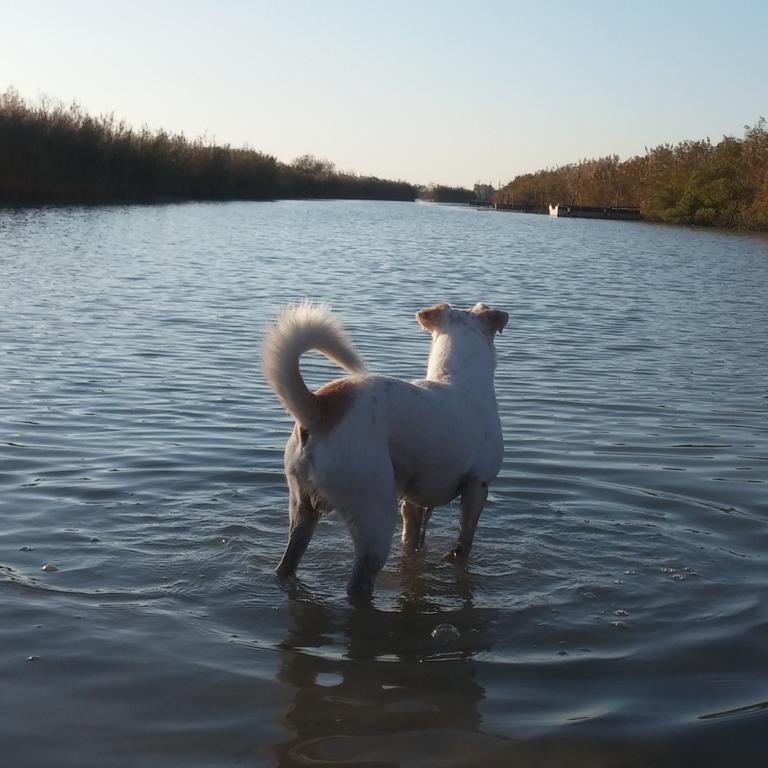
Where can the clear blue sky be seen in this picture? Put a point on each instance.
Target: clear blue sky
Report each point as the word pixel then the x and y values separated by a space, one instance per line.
pixel 426 91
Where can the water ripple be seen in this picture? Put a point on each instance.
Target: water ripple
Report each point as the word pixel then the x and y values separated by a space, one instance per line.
pixel 618 582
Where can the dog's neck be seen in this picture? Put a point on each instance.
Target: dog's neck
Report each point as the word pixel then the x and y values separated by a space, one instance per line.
pixel 463 360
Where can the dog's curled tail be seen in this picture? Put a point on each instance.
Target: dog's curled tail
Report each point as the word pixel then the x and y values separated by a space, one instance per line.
pixel 299 328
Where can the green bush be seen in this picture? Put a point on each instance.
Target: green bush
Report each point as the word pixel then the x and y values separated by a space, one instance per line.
pixel 693 182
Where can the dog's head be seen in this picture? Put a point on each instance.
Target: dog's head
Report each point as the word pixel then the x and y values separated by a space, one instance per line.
pixel 441 317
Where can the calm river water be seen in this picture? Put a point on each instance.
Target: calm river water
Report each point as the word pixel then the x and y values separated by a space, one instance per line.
pixel 614 611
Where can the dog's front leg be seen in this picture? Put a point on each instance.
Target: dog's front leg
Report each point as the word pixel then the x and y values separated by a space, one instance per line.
pixel 473 498
pixel 415 519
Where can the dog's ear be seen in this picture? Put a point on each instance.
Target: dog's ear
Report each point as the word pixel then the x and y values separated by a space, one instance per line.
pixel 430 318
pixel 493 319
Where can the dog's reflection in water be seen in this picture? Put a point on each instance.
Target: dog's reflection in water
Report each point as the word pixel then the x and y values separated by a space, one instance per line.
pixel 366 672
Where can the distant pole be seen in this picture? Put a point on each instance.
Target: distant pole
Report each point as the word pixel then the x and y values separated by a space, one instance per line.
pixel 578 184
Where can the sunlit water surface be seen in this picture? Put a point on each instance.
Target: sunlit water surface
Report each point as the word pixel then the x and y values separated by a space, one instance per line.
pixel 613 613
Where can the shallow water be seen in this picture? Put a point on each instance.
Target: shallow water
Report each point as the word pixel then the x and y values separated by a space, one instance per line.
pixel 613 612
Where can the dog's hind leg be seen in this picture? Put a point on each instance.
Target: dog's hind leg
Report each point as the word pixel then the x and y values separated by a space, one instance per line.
pixel 372 526
pixel 415 519
pixel 473 498
pixel 303 520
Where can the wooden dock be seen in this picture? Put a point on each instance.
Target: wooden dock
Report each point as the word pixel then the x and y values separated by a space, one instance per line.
pixel 594 212
pixel 567 211
pixel 575 211
pixel 520 208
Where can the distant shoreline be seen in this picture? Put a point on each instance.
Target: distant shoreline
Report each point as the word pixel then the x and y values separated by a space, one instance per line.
pixel 59 155
pixel 28 205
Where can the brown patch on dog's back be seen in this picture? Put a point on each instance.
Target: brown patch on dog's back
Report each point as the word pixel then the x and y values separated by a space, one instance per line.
pixel 334 400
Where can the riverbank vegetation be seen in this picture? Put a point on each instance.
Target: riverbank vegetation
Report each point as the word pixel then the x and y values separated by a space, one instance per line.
pixel 438 193
pixel 693 182
pixel 51 153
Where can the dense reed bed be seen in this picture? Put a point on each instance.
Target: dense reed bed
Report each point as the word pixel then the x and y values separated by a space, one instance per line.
pixel 52 153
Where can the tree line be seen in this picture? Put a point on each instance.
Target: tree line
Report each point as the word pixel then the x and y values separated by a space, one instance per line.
pixel 693 182
pixel 440 193
pixel 51 153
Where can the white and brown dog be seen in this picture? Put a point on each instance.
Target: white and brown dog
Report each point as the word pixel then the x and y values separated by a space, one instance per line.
pixel 362 442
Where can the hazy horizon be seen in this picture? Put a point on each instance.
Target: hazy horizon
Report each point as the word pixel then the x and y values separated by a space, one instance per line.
pixel 427 93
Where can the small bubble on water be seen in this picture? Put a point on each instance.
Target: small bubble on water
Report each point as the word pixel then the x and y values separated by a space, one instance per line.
pixel 668 570
pixel 678 577
pixel 445 633
pixel 630 572
pixel 49 568
pixel 33 658
pixel 328 679
pixel 26 548
pixel 621 612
